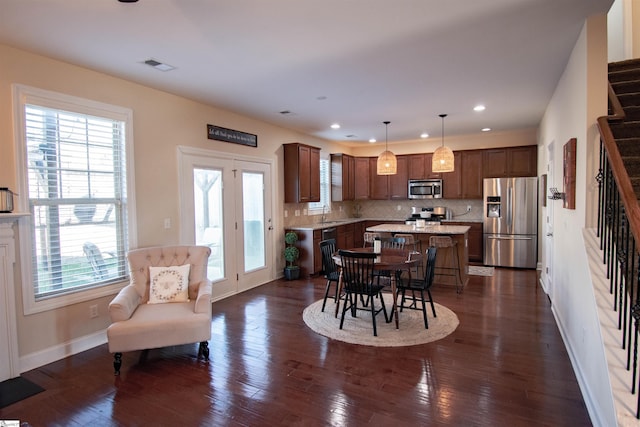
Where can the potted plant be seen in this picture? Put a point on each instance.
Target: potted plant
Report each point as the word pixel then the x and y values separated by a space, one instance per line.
pixel 291 254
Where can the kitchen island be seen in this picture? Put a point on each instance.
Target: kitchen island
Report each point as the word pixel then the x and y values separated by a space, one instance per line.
pixel 444 257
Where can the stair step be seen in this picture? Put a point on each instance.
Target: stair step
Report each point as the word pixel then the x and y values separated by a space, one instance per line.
pixel 632 113
pixel 625 129
pixel 624 65
pixel 629 99
pixel 629 147
pixel 635 183
pixel 624 76
pixel 631 86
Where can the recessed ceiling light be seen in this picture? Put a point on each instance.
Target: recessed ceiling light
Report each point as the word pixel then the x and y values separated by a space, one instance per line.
pixel 372 140
pixel 486 129
pixel 424 135
pixel 335 126
pixel 479 107
pixel 159 65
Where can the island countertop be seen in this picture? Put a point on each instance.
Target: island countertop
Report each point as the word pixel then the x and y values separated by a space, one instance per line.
pixel 431 229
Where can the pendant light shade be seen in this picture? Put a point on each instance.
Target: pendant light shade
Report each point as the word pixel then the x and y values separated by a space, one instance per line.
pixel 443 160
pixel 387 163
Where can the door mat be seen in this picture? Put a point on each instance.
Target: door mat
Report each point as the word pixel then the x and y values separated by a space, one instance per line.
pixel 15 389
pixel 475 270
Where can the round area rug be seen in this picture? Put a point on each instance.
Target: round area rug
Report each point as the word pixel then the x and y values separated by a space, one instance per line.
pixel 359 329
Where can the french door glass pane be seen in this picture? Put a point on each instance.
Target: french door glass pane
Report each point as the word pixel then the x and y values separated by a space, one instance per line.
pixel 253 214
pixel 207 198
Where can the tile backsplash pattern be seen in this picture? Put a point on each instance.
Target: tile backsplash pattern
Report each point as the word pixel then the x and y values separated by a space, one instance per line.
pixel 382 209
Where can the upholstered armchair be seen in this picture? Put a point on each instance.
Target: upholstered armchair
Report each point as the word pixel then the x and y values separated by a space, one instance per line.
pixel 167 302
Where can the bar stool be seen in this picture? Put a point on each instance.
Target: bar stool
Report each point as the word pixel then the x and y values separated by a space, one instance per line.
pixel 446 242
pixel 410 242
pixel 369 237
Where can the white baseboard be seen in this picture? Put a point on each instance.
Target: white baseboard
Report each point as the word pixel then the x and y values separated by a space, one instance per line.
pixel 60 351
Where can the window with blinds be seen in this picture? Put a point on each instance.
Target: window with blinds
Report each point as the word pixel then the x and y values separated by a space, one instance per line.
pixel 76 179
pixel 325 190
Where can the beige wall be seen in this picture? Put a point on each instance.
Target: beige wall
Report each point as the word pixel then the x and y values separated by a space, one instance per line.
pixel 162 121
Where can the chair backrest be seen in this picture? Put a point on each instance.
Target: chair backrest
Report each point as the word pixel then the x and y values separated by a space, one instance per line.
pixel 393 242
pixel 409 239
pixel 328 248
pixel 94 256
pixel 357 270
pixel 430 269
pixel 369 237
pixel 165 256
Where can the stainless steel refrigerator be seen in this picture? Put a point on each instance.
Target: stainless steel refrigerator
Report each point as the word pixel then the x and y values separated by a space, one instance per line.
pixel 510 207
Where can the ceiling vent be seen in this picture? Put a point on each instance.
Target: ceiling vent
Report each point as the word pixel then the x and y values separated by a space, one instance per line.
pixel 159 65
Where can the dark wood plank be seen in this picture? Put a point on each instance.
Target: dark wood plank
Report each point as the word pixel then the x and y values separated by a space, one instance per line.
pixel 505 365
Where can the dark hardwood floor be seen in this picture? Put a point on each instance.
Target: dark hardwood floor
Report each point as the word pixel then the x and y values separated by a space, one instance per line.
pixel 505 365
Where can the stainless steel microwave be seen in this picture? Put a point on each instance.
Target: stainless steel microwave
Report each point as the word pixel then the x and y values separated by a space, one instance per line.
pixel 425 189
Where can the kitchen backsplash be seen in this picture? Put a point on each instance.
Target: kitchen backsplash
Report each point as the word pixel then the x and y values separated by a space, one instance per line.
pixel 380 209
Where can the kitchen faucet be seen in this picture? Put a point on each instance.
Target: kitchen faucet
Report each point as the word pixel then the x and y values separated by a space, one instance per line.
pixel 322 218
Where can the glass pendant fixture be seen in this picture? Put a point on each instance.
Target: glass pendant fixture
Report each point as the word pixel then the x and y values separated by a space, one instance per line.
pixel 443 156
pixel 387 163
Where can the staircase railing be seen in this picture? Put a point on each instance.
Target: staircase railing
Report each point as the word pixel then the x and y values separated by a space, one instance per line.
pixel 619 232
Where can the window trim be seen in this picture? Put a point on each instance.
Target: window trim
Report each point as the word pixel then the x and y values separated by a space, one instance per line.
pixel 23 95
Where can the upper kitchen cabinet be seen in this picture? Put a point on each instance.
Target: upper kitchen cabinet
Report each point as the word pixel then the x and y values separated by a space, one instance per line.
pixel 420 167
pixel 301 173
pixel 465 182
pixel 511 161
pixel 384 187
pixel 361 178
pixel 342 177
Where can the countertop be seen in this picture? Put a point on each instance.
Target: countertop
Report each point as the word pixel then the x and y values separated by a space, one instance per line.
pixel 336 223
pixel 432 229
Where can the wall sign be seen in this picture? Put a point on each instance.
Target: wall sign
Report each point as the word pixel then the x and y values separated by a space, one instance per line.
pixel 569 174
pixel 229 135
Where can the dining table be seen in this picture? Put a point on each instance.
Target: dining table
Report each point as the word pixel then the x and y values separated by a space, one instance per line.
pixel 388 259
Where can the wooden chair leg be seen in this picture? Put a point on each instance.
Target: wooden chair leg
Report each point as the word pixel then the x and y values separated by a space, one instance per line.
pixel 424 310
pixel 326 294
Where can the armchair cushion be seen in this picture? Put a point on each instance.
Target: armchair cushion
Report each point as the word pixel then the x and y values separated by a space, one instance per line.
pixel 169 284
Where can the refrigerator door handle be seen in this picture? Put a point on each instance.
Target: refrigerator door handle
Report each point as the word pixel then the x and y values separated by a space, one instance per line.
pixel 509 207
pixel 510 237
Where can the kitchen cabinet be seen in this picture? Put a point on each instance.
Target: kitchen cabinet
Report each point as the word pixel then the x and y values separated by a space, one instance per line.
pixel 342 177
pixel 385 187
pixel 378 184
pixel 475 239
pixel 358 234
pixel 510 161
pixel 301 173
pixel 465 182
pixel 420 167
pixel 361 178
pixel 345 238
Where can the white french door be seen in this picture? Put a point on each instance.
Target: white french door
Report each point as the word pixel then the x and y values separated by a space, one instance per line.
pixel 226 205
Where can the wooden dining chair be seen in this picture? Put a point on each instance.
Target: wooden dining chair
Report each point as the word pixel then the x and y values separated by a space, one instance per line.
pixel 358 282
pixel 388 243
pixel 420 285
pixel 369 237
pixel 329 268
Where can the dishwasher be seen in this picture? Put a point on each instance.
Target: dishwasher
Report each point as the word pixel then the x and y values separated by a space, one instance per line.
pixel 330 233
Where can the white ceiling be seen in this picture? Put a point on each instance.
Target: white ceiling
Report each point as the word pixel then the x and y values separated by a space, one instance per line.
pixel 355 62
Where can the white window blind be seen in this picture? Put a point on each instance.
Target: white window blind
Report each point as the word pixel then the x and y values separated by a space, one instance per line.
pixel 325 189
pixel 77 196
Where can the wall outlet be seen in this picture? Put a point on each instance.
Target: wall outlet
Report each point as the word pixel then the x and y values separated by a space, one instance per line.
pixel 93 311
pixel 297 212
pixel 167 223
pixel 399 207
pixel 468 208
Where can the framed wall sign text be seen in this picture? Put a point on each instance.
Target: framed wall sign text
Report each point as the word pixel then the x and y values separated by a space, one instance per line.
pixel 229 135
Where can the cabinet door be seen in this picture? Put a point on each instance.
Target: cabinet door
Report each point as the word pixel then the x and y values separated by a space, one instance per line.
pixel 361 178
pixel 417 166
pixel 398 183
pixel 313 171
pixel 378 184
pixel 428 167
pixel 342 177
pixel 358 234
pixel 304 168
pixel 523 161
pixel 495 163
pixel 472 174
pixel 452 181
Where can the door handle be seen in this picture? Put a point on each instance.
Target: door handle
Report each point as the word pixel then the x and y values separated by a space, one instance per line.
pixel 549 234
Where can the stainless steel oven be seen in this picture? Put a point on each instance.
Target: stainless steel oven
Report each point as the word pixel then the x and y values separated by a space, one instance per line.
pixel 425 189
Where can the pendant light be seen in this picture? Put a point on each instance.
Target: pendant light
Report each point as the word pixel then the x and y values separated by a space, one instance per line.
pixel 443 156
pixel 387 164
